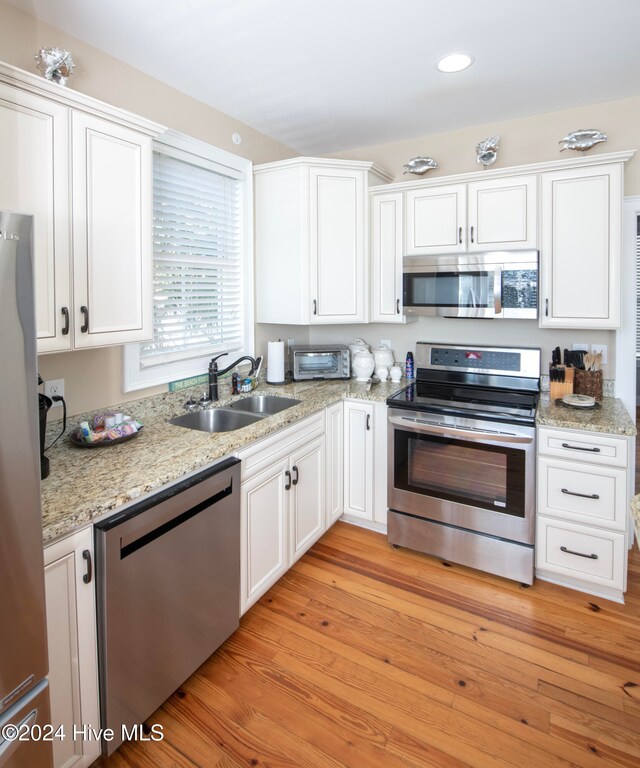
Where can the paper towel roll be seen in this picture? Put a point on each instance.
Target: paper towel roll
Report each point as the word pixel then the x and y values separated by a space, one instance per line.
pixel 275 362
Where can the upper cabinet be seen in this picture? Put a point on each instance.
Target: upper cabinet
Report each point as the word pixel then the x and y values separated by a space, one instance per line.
pixel 581 247
pixel 496 214
pixel 311 219
pixel 83 169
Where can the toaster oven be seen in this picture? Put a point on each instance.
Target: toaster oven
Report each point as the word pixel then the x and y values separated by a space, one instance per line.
pixel 319 361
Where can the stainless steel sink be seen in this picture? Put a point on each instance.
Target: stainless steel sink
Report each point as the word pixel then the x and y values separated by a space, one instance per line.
pixel 216 420
pixel 266 405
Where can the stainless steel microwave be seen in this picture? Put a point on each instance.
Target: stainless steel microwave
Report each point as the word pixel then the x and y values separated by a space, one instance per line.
pixel 494 284
pixel 316 361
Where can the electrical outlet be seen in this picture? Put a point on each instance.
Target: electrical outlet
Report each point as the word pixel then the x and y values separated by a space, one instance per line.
pixel 54 387
pixel 290 343
pixel 595 348
pixel 386 343
pixel 580 347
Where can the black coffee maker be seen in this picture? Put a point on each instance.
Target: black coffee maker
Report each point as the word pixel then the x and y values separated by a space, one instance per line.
pixel 44 403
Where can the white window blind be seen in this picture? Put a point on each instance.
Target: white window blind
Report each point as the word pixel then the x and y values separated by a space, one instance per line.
pixel 198 291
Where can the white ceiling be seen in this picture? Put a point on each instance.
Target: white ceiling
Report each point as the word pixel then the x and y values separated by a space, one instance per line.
pixel 329 75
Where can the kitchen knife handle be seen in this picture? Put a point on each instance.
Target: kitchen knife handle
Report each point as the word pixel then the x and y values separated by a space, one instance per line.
pixel 287 485
pixel 460 235
pixel 85 325
pixel 65 315
pixel 89 574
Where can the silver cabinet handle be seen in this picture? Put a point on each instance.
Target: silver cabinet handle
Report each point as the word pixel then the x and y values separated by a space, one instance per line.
pixel 580 448
pixel 287 485
pixel 579 554
pixel 296 478
pixel 582 495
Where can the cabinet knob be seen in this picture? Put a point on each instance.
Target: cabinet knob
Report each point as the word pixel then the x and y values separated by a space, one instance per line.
pixel 85 313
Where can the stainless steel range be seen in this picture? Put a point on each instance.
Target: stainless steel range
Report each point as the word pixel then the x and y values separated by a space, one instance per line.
pixel 462 457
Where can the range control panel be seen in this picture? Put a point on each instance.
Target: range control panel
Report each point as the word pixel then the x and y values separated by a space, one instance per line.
pixel 496 360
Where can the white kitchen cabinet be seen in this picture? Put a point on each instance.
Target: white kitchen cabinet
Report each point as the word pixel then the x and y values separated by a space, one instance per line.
pixel 365 462
pixel 387 250
pixel 582 502
pixel 283 503
pixel 335 462
pixel 72 641
pixel 311 240
pixel 83 169
pixel 581 251
pixel 493 214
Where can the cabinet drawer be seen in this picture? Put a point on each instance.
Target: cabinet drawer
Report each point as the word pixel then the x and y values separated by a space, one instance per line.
pixel 583 446
pixel 583 493
pixel 581 552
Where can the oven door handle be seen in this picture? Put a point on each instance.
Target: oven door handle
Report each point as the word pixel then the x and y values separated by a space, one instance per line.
pixel 497 291
pixel 467 434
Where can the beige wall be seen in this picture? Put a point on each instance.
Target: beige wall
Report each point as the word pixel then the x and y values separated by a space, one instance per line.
pixel 527 140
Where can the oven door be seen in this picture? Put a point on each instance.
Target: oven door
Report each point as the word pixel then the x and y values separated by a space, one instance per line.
pixel 471 474
pixel 453 291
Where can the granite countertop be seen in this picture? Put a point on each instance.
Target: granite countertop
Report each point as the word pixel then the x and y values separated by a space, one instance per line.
pixel 612 417
pixel 85 484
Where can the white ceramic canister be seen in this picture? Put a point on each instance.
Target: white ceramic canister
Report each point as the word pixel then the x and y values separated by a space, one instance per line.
pixel 357 346
pixel 363 365
pixel 396 373
pixel 383 356
pixel 382 372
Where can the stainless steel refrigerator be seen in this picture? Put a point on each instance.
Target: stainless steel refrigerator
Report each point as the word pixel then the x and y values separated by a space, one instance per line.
pixel 24 692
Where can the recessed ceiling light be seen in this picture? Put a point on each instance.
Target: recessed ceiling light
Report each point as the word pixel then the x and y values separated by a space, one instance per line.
pixel 456 62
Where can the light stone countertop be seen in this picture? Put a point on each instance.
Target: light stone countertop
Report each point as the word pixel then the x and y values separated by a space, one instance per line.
pixel 85 484
pixel 612 417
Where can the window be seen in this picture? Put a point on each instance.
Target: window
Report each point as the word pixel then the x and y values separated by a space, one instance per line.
pixel 638 287
pixel 202 263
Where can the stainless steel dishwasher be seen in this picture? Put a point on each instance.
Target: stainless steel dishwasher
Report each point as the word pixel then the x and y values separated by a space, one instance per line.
pixel 168 586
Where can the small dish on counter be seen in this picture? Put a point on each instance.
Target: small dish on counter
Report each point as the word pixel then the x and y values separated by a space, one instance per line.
pixel 104 430
pixel 579 401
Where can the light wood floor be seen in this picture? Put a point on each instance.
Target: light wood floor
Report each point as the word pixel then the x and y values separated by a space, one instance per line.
pixel 370 657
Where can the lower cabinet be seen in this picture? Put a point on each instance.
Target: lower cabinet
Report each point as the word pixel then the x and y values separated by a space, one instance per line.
pixel 283 503
pixel 583 497
pixel 335 462
pixel 365 462
pixel 71 630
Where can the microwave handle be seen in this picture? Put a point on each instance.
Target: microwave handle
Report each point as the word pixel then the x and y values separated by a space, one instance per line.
pixel 497 290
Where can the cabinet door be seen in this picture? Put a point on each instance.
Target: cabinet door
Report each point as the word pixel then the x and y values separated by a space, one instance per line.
pixel 386 258
pixel 264 521
pixel 436 220
pixel 358 460
pixel 71 630
pixel 581 248
pixel 502 214
pixel 112 223
pixel 308 508
pixel 337 239
pixel 335 463
pixel 34 156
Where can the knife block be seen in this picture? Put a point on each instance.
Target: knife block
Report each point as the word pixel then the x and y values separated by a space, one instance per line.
pixel 589 383
pixel 558 389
